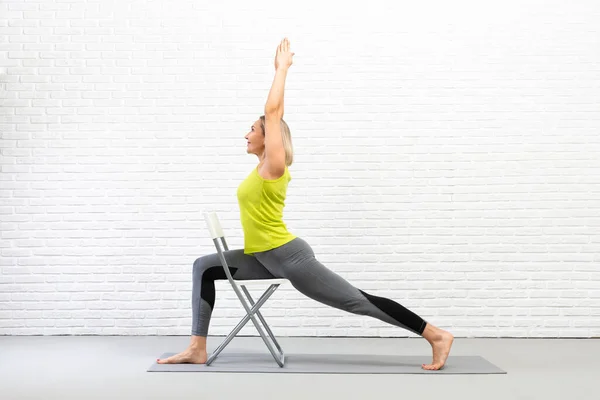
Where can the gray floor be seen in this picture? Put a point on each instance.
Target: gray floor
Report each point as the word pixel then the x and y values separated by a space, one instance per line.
pixel 100 367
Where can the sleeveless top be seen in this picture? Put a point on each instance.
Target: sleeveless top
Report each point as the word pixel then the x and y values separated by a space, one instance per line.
pixel 261 204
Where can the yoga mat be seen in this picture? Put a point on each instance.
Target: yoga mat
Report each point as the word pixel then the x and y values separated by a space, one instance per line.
pixel 331 364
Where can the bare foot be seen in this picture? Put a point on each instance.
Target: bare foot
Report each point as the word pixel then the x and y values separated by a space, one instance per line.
pixel 441 348
pixel 189 356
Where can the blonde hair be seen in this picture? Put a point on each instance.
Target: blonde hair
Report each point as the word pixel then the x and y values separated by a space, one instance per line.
pixel 286 137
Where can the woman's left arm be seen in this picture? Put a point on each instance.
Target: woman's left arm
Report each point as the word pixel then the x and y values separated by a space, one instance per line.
pixel 283 61
pixel 274 151
pixel 274 106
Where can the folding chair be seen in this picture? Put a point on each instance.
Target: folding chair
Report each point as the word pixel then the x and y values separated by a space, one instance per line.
pixel 216 233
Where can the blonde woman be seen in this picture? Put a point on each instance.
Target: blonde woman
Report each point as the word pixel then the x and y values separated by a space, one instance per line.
pixel 271 251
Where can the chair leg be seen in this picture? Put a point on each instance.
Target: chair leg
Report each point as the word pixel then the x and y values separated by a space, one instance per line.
pixel 280 358
pixel 239 326
pixel 262 319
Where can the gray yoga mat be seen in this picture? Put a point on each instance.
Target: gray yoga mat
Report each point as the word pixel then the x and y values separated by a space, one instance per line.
pixel 331 364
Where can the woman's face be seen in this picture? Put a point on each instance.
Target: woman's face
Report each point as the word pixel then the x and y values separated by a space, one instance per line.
pixel 255 138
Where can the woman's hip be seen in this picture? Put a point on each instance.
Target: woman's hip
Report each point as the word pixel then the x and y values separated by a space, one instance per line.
pixel 293 252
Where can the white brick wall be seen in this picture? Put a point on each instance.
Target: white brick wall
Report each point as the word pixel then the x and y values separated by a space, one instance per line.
pixel 446 156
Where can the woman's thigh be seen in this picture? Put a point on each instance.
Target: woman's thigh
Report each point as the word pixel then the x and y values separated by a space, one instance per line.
pixel 298 264
pixel 242 266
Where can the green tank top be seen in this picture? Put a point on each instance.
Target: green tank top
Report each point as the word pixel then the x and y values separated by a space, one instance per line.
pixel 261 210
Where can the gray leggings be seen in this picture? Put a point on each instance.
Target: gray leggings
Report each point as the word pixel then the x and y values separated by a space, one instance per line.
pixel 296 262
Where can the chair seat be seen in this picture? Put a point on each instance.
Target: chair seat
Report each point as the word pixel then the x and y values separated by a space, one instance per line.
pixel 261 281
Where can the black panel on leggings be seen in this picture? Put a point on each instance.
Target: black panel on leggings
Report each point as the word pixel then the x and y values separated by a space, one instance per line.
pixel 207 291
pixel 398 312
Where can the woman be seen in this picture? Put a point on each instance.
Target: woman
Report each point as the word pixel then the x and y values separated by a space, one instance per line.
pixel 270 251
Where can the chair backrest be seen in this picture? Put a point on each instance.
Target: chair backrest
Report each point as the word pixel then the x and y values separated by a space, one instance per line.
pixel 216 233
pixel 214 226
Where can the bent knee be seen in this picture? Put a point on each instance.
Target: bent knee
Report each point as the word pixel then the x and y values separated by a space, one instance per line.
pixel 202 264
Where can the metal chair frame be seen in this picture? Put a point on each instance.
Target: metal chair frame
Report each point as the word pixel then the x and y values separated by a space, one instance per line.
pixel 252 309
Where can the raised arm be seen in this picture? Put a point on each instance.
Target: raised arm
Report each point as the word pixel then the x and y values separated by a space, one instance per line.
pixel 274 104
pixel 274 151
